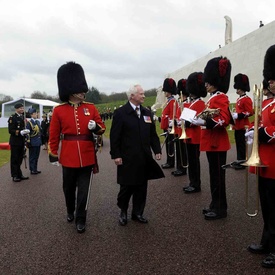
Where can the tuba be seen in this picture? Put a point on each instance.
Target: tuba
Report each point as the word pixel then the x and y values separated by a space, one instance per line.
pixel 254 159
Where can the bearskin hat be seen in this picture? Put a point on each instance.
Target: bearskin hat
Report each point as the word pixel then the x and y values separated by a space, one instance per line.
pixel 71 80
pixel 241 81
pixel 269 64
pixel 217 73
pixel 265 84
pixel 195 85
pixel 181 88
pixel 169 85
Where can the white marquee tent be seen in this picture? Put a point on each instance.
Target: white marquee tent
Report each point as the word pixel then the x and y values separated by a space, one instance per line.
pixel 41 105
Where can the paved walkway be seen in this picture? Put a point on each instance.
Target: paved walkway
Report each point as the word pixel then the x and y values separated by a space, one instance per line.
pixel 36 239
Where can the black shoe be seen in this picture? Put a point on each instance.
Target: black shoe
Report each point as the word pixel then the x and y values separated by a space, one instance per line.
pixel 167 166
pixel 34 172
pixel 269 261
pixel 192 189
pixel 70 217
pixel 80 227
pixel 15 179
pixel 257 249
pixel 123 218
pixel 38 172
pixel 238 167
pixel 215 216
pixel 24 178
pixel 139 218
pixel 178 173
pixel 206 210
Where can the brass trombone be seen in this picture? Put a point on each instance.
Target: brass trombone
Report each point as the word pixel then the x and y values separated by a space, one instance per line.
pixel 254 159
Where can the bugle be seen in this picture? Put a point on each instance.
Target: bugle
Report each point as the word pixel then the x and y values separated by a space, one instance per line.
pixel 172 132
pixel 254 159
pixel 183 132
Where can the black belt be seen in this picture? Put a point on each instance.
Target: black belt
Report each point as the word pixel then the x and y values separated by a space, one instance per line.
pixel 78 137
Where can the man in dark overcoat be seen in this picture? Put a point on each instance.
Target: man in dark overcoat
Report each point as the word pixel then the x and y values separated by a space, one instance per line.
pixel 133 137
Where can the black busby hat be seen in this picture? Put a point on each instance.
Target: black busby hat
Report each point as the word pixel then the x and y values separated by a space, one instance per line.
pixel 241 81
pixel 18 105
pixel 265 84
pixel 217 73
pixel 181 88
pixel 195 84
pixel 269 64
pixel 71 80
pixel 169 85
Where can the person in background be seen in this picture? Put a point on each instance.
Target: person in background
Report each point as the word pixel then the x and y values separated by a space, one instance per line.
pixel 243 110
pixel 76 121
pixel 34 141
pixel 133 137
pixel 214 136
pixel 267 174
pixel 18 132
pixel 167 119
pixel 45 131
pixel 196 89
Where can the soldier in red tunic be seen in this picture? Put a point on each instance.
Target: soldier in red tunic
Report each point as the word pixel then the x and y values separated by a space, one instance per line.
pixel 196 89
pixel 170 89
pixel 267 174
pixel 181 161
pixel 214 137
pixel 243 110
pixel 74 122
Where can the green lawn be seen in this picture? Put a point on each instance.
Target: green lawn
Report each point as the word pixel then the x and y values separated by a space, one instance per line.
pixel 4 154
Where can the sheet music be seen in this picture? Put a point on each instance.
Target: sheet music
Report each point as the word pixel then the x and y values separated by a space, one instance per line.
pixel 187 114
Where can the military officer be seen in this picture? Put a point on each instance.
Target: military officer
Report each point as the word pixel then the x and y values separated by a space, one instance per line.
pixel 77 121
pixel 18 132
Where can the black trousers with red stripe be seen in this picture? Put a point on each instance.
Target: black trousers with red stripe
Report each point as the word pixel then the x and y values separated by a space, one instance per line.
pixel 217 181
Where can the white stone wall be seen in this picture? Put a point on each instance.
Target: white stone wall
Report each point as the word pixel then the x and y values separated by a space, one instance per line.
pixel 246 55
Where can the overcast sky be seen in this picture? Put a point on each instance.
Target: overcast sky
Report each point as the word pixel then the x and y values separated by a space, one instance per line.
pixel 118 42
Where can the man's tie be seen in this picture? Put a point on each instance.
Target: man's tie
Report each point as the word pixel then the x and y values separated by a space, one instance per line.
pixel 138 112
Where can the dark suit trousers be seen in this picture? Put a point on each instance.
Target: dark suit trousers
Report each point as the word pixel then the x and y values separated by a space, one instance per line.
pixel 217 181
pixel 194 168
pixel 76 179
pixel 17 153
pixel 138 193
pixel 240 144
pixel 267 195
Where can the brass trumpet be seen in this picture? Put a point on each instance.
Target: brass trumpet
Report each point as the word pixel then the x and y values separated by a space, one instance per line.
pixel 208 113
pixel 254 159
pixel 172 132
pixel 183 132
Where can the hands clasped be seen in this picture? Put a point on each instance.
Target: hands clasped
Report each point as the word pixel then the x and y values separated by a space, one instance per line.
pixel 91 125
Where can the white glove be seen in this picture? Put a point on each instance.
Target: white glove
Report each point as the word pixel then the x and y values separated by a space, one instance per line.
pixel 249 136
pixel 55 163
pixel 170 123
pixel 24 132
pixel 198 121
pixel 179 123
pixel 234 115
pixel 91 125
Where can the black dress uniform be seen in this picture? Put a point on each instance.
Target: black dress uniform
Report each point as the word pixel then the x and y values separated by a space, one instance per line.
pixel 17 143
